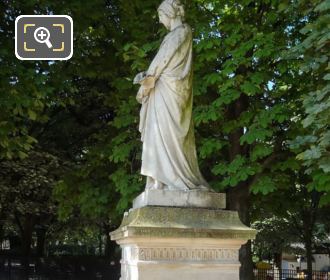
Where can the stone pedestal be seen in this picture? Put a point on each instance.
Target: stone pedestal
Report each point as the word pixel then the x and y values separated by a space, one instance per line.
pixel 196 199
pixel 183 241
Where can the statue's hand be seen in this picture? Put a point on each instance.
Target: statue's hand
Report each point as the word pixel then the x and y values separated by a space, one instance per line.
pixel 143 94
pixel 143 79
pixel 148 82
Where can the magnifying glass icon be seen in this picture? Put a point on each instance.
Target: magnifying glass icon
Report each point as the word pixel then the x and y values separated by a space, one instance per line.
pixel 41 35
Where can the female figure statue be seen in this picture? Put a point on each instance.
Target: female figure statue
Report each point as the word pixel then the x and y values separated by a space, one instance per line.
pixel 169 155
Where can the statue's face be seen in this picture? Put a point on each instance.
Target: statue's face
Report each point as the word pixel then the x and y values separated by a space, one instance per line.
pixel 164 19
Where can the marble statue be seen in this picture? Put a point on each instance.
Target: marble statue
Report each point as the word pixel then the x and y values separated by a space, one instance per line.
pixel 169 154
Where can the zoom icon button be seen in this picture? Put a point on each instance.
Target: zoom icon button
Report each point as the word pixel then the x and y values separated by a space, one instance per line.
pixel 47 37
pixel 39 36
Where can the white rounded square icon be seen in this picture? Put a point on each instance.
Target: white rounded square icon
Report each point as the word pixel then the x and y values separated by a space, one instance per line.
pixel 45 37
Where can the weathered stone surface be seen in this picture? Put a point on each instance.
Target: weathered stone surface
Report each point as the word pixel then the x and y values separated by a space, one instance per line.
pixel 165 243
pixel 201 199
pixel 182 222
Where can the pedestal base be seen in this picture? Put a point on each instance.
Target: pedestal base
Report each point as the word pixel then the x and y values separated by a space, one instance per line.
pixel 170 259
pixel 168 243
pixel 197 199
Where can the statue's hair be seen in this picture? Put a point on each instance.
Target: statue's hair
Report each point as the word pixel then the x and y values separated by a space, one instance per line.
pixel 172 8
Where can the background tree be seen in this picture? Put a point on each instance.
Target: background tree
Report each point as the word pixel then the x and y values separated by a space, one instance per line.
pixel 300 218
pixel 26 187
pixel 274 238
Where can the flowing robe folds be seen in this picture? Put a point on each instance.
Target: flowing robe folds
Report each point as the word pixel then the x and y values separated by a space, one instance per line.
pixel 166 125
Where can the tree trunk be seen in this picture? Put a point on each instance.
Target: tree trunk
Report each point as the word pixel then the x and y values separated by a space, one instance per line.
pixel 309 257
pixel 110 246
pixel 26 237
pixel 238 200
pixel 100 235
pixel 278 262
pixel 309 217
pixel 41 239
pixel 238 197
pixel 2 220
pixel 1 240
pixel 1 234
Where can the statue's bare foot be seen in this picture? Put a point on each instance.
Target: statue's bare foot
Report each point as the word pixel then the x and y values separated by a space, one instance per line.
pixel 150 183
pixel 205 189
pixel 153 184
pixel 159 185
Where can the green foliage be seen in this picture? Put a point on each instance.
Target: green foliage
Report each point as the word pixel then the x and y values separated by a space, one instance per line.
pixel 314 55
pixel 26 184
pixel 26 201
pixel 209 146
pixel 27 88
pixel 246 97
pixel 238 170
pixel 264 185
pixel 274 236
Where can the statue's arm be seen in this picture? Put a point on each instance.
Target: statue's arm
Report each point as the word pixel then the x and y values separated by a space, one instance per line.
pixel 165 53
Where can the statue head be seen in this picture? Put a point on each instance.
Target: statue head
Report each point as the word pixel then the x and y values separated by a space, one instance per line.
pixel 170 10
